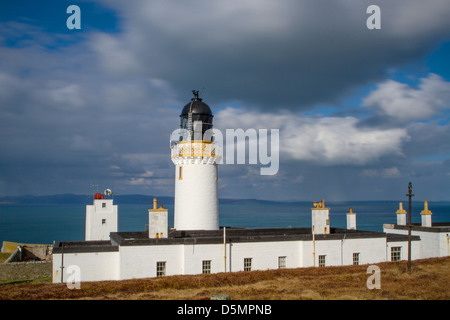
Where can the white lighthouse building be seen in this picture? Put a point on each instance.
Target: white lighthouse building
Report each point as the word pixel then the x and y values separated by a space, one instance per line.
pixel 197 245
pixel 101 218
pixel 195 156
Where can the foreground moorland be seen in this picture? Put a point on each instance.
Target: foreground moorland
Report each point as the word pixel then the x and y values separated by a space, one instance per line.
pixel 428 280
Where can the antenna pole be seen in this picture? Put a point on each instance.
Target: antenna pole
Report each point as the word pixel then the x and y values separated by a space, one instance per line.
pixel 409 195
pixel 96 188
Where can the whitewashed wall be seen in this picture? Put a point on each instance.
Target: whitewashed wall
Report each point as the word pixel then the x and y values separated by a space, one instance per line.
pixel 371 250
pixel 95 229
pixel 194 254
pixel 415 249
pixel 320 219
pixel 196 202
pixel 432 244
pixel 140 261
pixel 264 255
pixel 94 266
pixel 158 226
pixel 444 244
pixel 133 262
pixel 340 252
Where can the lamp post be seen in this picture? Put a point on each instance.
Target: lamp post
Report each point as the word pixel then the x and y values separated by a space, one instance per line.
pixel 409 195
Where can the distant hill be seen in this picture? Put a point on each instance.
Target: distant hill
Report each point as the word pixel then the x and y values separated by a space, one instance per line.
pixel 69 198
pixel 48 199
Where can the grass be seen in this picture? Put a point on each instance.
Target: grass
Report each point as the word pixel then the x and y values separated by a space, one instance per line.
pixel 35 280
pixel 428 281
pixel 4 256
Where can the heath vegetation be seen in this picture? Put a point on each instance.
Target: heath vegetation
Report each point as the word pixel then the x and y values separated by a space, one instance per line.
pixel 428 280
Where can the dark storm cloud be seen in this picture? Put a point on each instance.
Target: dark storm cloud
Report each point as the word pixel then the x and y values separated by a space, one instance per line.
pixel 65 124
pixel 284 54
pixel 100 109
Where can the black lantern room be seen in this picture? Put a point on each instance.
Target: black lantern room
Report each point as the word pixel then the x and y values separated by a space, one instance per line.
pixel 196 115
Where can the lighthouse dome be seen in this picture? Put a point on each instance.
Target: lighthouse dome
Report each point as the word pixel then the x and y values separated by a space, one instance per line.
pixel 196 106
pixel 196 117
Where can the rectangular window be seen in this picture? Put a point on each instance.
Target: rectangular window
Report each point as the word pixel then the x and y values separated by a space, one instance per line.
pixel 103 221
pixel 206 266
pixel 356 258
pixel 103 204
pixel 180 173
pixel 396 253
pixel 160 268
pixel 322 261
pixel 247 264
pixel 281 262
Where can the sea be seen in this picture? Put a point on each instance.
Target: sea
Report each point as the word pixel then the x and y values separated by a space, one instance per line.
pixel 44 223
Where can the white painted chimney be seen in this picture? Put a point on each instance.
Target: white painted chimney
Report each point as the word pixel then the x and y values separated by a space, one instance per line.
pixel 401 215
pixel 351 220
pixel 320 218
pixel 426 215
pixel 158 226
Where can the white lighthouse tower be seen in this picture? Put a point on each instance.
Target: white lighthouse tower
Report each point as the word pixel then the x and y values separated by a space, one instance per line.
pixel 101 217
pixel 196 155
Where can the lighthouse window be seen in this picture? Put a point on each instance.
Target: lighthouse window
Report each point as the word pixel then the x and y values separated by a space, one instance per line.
pixel 281 262
pixel 180 173
pixel 103 204
pixel 160 268
pixel 356 258
pixel 396 253
pixel 206 266
pixel 322 261
pixel 103 221
pixel 247 264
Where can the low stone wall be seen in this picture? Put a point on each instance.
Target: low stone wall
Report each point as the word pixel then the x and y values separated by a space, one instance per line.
pixel 25 270
pixel 14 257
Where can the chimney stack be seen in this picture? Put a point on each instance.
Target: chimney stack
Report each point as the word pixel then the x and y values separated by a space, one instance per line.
pixel 401 215
pixel 320 218
pixel 426 216
pixel 351 220
pixel 158 226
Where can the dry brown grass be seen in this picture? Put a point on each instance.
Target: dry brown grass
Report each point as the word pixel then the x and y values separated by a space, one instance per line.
pixel 4 256
pixel 429 280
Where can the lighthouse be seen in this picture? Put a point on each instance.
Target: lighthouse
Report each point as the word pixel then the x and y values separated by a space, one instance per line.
pixel 101 217
pixel 195 156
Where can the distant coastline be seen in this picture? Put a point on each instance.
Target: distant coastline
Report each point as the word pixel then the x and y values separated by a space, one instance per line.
pixel 69 198
pixel 44 219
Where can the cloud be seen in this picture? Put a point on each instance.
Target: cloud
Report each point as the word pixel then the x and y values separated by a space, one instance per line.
pixel 401 103
pixel 385 173
pixel 99 107
pixel 429 141
pixel 139 181
pixel 328 140
pixel 269 55
pixel 64 119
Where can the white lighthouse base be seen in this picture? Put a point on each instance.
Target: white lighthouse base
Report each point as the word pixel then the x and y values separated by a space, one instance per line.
pixel 196 201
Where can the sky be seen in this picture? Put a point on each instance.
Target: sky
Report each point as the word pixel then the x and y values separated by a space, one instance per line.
pixel 361 112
